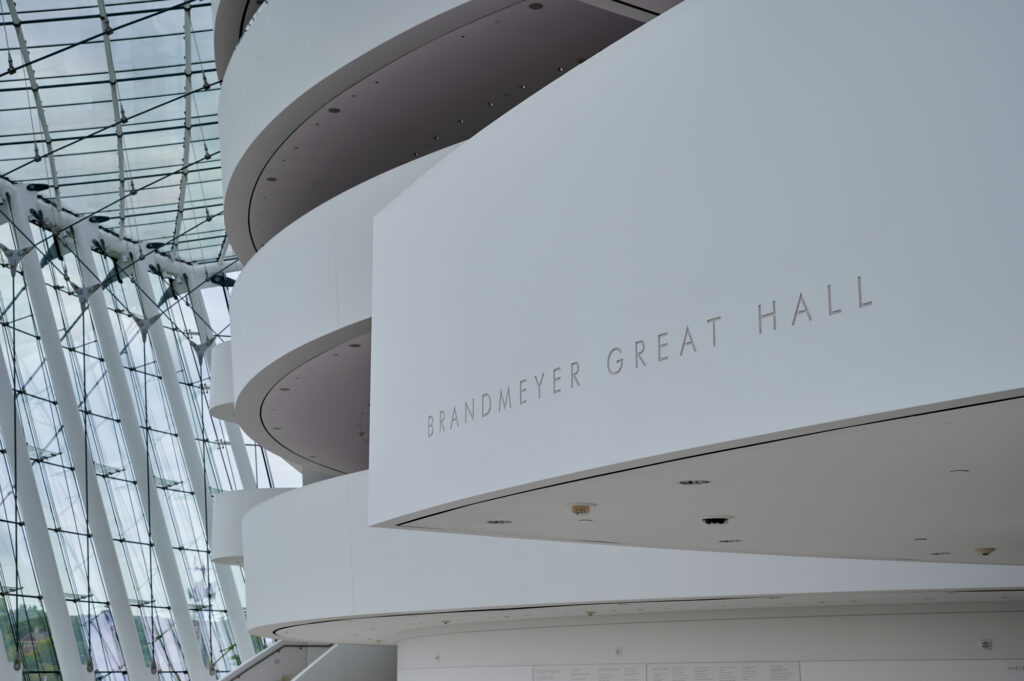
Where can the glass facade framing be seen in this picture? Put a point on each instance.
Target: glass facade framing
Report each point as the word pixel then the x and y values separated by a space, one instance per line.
pixel 66 509
pixel 114 105
pixel 111 105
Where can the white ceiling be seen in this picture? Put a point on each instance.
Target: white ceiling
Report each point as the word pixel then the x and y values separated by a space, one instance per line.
pixel 931 487
pixel 435 96
pixel 321 410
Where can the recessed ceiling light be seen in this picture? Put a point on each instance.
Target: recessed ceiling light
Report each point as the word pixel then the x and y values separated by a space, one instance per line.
pixel 694 482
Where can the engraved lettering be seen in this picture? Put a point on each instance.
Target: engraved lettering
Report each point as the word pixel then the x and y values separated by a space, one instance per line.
pixel 662 346
pixel 762 316
pixel 714 330
pixel 618 361
pixel 687 340
pixel 801 308
pixel 442 421
pixel 831 310
pixel 860 295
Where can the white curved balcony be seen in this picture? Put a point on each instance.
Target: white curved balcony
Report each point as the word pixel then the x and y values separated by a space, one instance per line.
pixel 229 21
pixel 785 270
pixel 228 509
pixel 300 317
pixel 347 91
pixel 222 391
pixel 315 571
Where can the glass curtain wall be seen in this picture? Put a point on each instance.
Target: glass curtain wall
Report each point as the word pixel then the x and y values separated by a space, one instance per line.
pixel 67 510
pixel 112 104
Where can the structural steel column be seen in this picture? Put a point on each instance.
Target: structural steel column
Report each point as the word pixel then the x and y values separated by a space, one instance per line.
pixel 38 536
pixel 189 449
pixel 74 431
pixel 206 334
pixel 110 350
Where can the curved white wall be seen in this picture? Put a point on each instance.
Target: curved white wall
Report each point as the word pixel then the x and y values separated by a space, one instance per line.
pixel 752 646
pixel 222 391
pixel 227 18
pixel 307 291
pixel 310 556
pixel 753 154
pixel 228 510
pixel 300 54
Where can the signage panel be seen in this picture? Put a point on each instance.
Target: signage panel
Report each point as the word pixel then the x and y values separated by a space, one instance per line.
pixel 734 223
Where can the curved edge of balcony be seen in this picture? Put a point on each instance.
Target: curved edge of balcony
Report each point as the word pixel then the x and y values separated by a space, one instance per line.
pixel 228 510
pixel 317 572
pixel 228 18
pixel 222 395
pixel 302 57
pixel 305 294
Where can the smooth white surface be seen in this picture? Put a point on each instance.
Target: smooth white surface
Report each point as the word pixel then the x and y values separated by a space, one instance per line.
pixel 867 647
pixel 228 510
pixel 752 152
pixel 227 14
pixel 306 292
pixel 344 662
pixel 222 391
pixel 932 487
pixel 311 556
pixel 299 55
pixel 280 661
